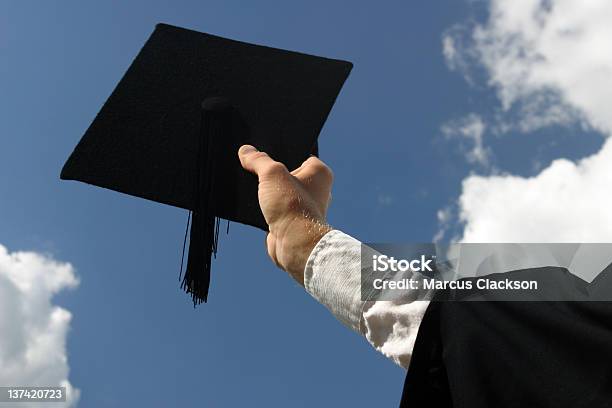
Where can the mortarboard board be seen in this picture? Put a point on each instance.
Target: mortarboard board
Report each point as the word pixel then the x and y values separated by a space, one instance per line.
pixel 171 129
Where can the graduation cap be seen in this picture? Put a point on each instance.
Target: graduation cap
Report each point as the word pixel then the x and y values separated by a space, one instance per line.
pixel 171 129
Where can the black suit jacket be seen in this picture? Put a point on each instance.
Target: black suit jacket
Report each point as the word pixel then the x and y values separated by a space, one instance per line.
pixel 502 354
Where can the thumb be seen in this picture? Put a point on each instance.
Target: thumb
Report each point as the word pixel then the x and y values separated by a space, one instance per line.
pixel 258 162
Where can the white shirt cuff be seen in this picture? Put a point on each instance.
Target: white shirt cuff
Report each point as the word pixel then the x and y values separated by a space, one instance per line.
pixel 333 277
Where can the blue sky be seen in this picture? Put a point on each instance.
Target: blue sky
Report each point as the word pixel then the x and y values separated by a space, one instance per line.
pixel 135 338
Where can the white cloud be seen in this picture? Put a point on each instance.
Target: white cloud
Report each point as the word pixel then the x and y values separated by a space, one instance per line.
pixel 32 330
pixel 566 202
pixel 445 218
pixel 450 52
pixel 550 61
pixel 457 54
pixel 472 129
pixel 553 56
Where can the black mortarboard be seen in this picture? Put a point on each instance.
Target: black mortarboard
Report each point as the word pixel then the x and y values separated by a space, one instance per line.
pixel 171 129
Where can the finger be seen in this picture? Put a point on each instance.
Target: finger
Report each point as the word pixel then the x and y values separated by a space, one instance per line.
pixel 258 162
pixel 296 171
pixel 313 167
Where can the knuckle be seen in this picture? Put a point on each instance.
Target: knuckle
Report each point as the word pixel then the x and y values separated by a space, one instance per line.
pixel 275 169
pixel 329 172
pixel 324 169
pixel 257 156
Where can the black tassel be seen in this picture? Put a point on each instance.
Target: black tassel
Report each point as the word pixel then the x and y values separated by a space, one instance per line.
pixel 204 234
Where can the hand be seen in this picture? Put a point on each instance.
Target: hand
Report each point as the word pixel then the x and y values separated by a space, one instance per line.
pixel 294 205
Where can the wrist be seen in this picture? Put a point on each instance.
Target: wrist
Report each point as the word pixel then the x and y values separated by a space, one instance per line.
pixel 294 247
